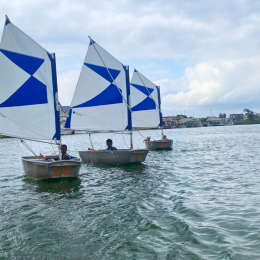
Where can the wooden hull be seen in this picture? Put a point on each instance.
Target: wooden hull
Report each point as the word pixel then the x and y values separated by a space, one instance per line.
pixel 182 126
pixel 159 144
pixel 114 157
pixel 37 168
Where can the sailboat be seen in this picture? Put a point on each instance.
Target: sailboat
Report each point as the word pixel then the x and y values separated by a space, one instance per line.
pixel 146 109
pixel 29 107
pixel 101 103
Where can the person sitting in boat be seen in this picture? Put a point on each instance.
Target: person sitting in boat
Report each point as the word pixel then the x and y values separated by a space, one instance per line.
pixel 164 137
pixel 148 138
pixel 65 156
pixel 109 145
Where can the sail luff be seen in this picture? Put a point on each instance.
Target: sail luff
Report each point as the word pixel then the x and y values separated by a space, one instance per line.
pixel 159 102
pixel 57 135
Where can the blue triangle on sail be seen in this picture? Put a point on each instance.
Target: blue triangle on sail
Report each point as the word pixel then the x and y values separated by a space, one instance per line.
pixel 32 92
pixel 7 21
pixel 102 71
pixel 91 42
pixel 26 63
pixel 109 96
pixel 143 89
pixel 146 104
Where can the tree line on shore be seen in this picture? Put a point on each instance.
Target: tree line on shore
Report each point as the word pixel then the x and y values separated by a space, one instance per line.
pixel 252 118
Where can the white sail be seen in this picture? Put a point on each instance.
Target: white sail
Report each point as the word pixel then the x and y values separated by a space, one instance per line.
pixel 101 99
pixel 28 88
pixel 145 102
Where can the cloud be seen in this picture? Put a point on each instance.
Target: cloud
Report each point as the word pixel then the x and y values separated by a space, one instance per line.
pixel 223 37
pixel 214 84
pixel 143 29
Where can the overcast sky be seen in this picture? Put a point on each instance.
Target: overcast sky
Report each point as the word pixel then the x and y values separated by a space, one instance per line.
pixel 204 54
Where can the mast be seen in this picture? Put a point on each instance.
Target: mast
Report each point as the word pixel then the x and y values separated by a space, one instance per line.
pixel 160 112
pixel 129 105
pixel 56 102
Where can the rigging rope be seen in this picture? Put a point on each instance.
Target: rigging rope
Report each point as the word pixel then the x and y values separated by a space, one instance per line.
pixel 140 134
pixel 21 126
pixel 93 43
pixel 91 141
pixel 28 147
pixel 148 90
pixel 158 134
pixel 125 143
pixel 53 148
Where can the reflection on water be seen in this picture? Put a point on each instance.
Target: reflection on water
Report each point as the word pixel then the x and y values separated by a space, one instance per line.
pixel 59 186
pixel 133 168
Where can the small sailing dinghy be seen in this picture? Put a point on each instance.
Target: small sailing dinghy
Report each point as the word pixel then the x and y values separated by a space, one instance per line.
pixel 29 101
pixel 146 109
pixel 101 103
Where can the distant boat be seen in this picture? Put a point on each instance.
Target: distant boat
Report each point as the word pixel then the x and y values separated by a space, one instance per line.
pixel 169 127
pixel 146 109
pixel 101 103
pixel 29 101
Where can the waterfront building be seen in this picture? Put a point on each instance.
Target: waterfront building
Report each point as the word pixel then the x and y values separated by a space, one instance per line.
pixel 236 117
pixel 189 122
pixel 245 117
pixel 257 115
pixel 169 121
pixel 217 121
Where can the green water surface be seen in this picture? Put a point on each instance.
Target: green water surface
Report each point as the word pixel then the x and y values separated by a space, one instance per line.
pixel 200 200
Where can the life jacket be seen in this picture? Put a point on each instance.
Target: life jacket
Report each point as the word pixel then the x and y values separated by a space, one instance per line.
pixel 69 157
pixel 109 149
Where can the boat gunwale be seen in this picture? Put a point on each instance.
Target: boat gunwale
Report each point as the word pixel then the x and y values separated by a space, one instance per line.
pixel 160 141
pixel 118 151
pixel 34 159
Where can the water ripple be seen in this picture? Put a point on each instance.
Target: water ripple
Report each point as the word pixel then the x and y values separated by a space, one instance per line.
pixel 198 201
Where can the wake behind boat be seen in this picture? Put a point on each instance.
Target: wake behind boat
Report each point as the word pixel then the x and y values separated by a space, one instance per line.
pixel 101 103
pixel 146 109
pixel 29 101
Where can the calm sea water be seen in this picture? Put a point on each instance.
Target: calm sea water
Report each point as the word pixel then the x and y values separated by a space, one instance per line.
pixel 199 201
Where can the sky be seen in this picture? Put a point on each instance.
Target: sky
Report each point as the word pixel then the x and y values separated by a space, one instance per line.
pixel 205 55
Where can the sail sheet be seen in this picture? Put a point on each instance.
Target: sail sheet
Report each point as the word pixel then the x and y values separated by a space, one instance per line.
pixel 28 87
pixel 145 102
pixel 101 99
